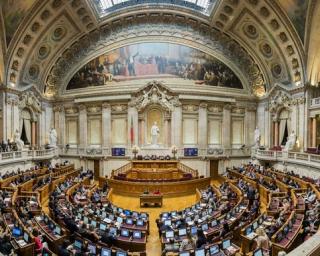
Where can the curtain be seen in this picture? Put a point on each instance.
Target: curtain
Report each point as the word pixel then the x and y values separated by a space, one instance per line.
pixel 282 127
pixel 289 127
pixel 20 126
pixel 27 126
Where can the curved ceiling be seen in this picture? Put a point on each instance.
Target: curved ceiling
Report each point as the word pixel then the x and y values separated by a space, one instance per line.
pixel 58 36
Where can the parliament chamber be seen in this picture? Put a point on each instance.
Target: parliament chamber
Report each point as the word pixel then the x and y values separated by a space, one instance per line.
pixel 160 127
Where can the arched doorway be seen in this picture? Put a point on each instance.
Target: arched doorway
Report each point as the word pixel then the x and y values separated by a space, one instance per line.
pixel 25 127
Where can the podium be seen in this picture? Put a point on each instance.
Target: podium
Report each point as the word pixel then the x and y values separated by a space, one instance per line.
pixel 151 200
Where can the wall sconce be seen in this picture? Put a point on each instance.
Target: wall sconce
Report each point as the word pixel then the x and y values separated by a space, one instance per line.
pixel 174 151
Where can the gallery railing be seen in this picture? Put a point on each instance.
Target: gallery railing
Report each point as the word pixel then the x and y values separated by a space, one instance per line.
pixel 212 152
pixel 7 157
pixel 299 157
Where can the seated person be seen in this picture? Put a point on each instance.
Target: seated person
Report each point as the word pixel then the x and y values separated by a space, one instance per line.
pixel 38 245
pixel 187 244
pixel 157 192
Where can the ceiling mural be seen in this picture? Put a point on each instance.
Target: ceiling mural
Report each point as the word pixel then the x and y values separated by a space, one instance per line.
pixel 13 13
pixel 155 60
pixel 297 12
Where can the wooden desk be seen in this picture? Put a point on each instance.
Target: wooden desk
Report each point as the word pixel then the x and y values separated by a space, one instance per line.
pixel 150 199
pixel 130 188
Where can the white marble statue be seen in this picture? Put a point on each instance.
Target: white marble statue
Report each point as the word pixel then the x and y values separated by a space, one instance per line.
pixel 257 137
pixel 19 142
pixel 290 142
pixel 53 138
pixel 155 133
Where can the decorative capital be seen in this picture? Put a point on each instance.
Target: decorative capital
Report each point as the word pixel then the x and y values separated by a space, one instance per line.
pixel 82 107
pixel 105 105
pixel 203 105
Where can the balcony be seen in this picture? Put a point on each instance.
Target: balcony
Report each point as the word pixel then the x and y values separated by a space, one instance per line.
pixel 28 155
pixel 291 157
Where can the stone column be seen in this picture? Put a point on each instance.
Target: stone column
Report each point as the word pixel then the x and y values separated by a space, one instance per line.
pixel 33 134
pixel 203 126
pixel 276 133
pixel 106 125
pixel 142 134
pixel 314 132
pixel 132 121
pixel 176 126
pixel 56 112
pixel 226 126
pixel 166 130
pixel 83 123
pixel 62 122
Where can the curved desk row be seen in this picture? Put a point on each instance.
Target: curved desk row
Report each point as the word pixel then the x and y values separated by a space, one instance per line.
pixel 130 188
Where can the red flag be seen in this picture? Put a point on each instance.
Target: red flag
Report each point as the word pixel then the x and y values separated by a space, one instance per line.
pixel 131 132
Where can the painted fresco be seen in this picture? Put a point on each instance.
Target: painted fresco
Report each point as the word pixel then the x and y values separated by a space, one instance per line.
pixel 297 12
pixel 155 60
pixel 13 13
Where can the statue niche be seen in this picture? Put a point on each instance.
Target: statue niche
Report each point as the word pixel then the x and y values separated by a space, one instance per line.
pixel 154 103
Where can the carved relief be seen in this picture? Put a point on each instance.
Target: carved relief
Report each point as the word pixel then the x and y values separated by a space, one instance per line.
pixel 154 93
pixel 28 99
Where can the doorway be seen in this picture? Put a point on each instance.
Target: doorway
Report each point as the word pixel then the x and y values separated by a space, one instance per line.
pixel 214 169
pixel 96 169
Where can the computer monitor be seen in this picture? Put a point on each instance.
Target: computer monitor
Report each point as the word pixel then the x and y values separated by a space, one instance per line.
pixel 173 214
pixel 120 210
pixel 93 223
pixel 204 227
pixel 143 215
pixel 129 221
pixel 182 232
pixel 184 254
pixel 169 234
pixel 125 232
pixel 214 249
pixel 26 237
pixel 113 230
pixel 127 212
pixel 258 252
pixel 92 249
pixel 79 216
pixel 16 232
pixel 165 215
pixel 167 222
pixel 286 229
pixel 137 234
pixel 121 253
pixel 57 230
pixel 139 223
pixel 200 252
pixel 103 227
pixel 134 214
pixel 255 225
pixel 105 252
pixel 103 215
pixel 119 219
pixel 248 230
pixel 260 220
pixel 46 219
pixel 85 220
pixel 194 230
pixel 279 237
pixel 111 217
pixel 78 244
pixel 226 244
pixel 51 225
pixel 214 223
